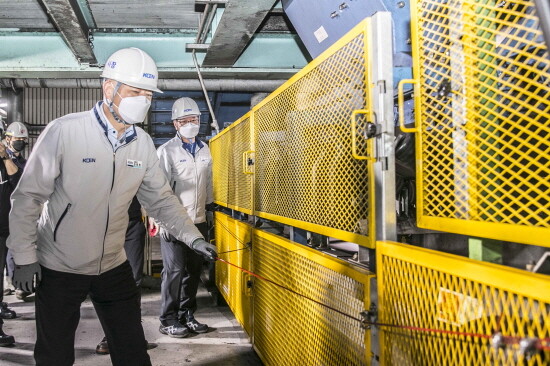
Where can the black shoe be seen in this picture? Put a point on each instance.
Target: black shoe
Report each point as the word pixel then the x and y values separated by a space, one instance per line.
pixel 174 331
pixel 5 340
pixel 24 295
pixel 5 312
pixel 192 324
pixel 102 347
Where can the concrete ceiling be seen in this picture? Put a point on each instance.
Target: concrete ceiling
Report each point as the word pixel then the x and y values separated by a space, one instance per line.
pixel 71 39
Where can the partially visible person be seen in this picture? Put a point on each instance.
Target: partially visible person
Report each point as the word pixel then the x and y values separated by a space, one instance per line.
pixel 11 168
pixel 187 163
pixel 79 181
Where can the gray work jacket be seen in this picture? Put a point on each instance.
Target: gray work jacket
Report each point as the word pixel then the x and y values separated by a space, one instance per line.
pixel 79 191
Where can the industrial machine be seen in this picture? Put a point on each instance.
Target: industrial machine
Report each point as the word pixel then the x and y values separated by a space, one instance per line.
pixel 384 205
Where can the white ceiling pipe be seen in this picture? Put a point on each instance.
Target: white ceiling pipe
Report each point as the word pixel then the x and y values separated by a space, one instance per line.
pixel 217 85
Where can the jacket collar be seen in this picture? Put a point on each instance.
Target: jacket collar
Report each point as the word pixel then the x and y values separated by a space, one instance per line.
pixel 100 118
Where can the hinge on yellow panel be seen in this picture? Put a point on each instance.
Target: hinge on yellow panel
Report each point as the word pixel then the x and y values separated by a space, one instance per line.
pixel 369 317
pixel 373 129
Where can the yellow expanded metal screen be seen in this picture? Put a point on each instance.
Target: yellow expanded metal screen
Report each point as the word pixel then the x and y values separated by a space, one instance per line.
pixel 220 167
pixel 240 189
pixel 305 173
pixel 292 330
pixel 231 237
pixel 232 183
pixel 484 108
pixel 453 306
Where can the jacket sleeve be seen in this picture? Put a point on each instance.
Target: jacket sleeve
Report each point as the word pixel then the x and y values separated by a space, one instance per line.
pixel 14 178
pixel 160 202
pixel 164 163
pixel 35 187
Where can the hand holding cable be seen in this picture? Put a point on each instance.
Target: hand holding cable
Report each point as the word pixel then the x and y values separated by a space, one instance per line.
pixel 204 248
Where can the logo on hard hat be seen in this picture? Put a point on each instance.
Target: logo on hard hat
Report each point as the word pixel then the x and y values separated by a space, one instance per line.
pixel 188 110
pixel 111 64
pixel 148 76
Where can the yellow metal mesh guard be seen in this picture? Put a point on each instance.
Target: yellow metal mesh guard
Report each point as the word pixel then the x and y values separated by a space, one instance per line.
pixel 456 305
pixel 305 173
pixel 232 184
pixel 484 108
pixel 232 237
pixel 292 330
pixel 220 169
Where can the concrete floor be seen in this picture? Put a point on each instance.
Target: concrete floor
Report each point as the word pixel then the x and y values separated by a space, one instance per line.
pixel 225 344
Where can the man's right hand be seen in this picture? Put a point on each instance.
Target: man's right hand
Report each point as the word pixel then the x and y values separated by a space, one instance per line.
pixel 24 276
pixel 3 152
pixel 204 248
pixel 152 227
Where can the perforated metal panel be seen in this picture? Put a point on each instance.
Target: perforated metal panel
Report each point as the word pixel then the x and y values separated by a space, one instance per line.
pixel 231 237
pixel 484 109
pixel 232 173
pixel 455 305
pixel 292 330
pixel 220 166
pixel 240 189
pixel 306 174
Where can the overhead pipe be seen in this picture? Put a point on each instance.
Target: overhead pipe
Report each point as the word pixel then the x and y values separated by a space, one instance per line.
pixel 201 37
pixel 543 12
pixel 202 21
pixel 218 85
pixel 204 26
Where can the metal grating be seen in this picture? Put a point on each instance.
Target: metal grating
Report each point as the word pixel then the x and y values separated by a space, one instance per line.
pixel 43 105
pixel 239 182
pixel 306 174
pixel 484 108
pixel 292 330
pixel 220 168
pixel 231 237
pixel 455 306
pixel 232 181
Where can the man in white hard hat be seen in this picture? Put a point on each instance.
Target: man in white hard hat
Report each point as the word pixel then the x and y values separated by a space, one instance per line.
pixel 187 163
pixel 85 169
pixel 11 169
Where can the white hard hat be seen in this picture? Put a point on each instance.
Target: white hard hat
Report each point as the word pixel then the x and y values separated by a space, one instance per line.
pixel 134 67
pixel 185 107
pixel 17 129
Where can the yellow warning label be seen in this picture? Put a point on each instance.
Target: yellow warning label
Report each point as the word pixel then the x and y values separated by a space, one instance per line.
pixel 456 308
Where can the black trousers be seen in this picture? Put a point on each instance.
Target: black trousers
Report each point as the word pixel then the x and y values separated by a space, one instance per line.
pixel 134 246
pixel 180 278
pixel 116 300
pixel 3 256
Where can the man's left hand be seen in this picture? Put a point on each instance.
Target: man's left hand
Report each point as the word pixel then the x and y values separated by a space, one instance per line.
pixel 204 248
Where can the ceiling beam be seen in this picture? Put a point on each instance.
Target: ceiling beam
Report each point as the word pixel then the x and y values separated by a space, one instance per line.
pixel 70 23
pixel 239 22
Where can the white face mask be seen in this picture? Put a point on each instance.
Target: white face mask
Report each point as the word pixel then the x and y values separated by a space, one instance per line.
pixel 134 109
pixel 189 130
